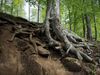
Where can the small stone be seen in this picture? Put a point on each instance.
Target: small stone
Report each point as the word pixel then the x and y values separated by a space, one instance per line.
pixel 72 64
pixel 43 52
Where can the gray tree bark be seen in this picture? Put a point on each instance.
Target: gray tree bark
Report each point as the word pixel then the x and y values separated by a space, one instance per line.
pixel 89 31
pixel 29 10
pixel 94 18
pixel 1 5
pixel 38 15
pixel 84 26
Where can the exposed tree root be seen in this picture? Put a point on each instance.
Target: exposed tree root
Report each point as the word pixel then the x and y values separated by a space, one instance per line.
pixel 72 37
pixel 66 40
pixel 33 43
pixel 19 30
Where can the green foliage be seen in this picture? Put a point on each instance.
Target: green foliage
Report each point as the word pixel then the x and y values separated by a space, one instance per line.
pixel 70 10
pixel 77 8
pixel 13 7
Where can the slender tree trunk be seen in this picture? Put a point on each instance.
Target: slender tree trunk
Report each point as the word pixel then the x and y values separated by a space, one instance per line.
pixel 38 16
pixel 70 23
pixel 89 31
pixel 1 5
pixel 18 9
pixel 12 8
pixel 75 21
pixel 95 27
pixel 17 12
pixel 99 3
pixel 94 18
pixel 5 4
pixel 29 10
pixel 83 21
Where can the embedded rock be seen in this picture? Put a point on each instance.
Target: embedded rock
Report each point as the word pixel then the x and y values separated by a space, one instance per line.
pixel 43 52
pixel 72 64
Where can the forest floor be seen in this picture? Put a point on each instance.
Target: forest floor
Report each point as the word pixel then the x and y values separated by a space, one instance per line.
pixel 26 55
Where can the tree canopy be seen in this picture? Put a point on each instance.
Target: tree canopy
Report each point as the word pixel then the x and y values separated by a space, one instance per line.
pixel 71 13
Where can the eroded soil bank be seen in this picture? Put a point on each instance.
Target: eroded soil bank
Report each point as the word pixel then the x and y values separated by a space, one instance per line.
pixel 21 56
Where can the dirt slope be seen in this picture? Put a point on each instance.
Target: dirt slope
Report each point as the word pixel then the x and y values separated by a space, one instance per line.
pixel 15 62
pixel 18 57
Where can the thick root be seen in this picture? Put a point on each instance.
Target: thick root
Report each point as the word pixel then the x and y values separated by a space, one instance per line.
pixel 33 43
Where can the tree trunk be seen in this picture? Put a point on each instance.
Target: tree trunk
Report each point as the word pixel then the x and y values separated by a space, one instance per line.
pixel 29 10
pixel 47 23
pixel 57 8
pixel 17 13
pixel 12 8
pixel 84 31
pixel 38 16
pixel 95 27
pixel 99 3
pixel 89 31
pixel 1 5
pixel 5 4
pixel 75 21
pixel 94 18
pixel 56 26
pixel 70 21
pixel 53 22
